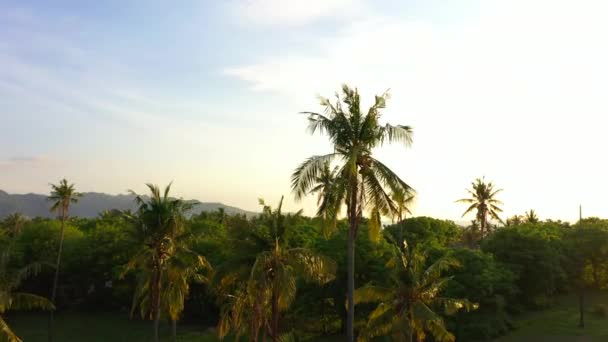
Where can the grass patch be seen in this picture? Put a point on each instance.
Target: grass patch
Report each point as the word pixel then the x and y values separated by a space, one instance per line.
pixel 560 322
pixel 99 327
pixel 557 324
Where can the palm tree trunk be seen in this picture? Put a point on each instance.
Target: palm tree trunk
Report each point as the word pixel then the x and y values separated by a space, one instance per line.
pixel 581 306
pixel 350 319
pixel 174 329
pixel 401 227
pixel 275 313
pixel 352 232
pixel 323 325
pixel 156 302
pixel 410 337
pixel 56 277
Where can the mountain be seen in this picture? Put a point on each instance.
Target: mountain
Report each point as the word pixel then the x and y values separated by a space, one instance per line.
pixel 91 204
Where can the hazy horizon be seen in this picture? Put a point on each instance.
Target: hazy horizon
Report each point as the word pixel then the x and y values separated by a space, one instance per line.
pixel 115 95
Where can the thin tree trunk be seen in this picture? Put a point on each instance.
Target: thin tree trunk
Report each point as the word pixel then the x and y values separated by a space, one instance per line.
pixel 323 325
pixel 350 333
pixel 401 227
pixel 174 329
pixel 56 277
pixel 411 330
pixel 581 307
pixel 156 302
pixel 275 313
pixel 352 234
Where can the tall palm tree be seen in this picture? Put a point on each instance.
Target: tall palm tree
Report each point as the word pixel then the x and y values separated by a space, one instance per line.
pixel 158 221
pixel 62 196
pixel 531 216
pixel 483 200
pixel 272 282
pixel 406 308
pixel 10 280
pixel 363 182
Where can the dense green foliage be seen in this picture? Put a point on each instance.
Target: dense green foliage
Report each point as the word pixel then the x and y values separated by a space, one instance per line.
pixel 518 268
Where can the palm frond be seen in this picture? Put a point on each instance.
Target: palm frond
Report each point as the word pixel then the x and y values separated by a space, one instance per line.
pixel 311 266
pixel 375 225
pixel 27 301
pixel 7 333
pixel 371 294
pixel 441 265
pixel 381 321
pixel 399 133
pixel 452 306
pixel 303 178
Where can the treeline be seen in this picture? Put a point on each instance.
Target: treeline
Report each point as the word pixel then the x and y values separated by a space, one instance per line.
pixel 516 268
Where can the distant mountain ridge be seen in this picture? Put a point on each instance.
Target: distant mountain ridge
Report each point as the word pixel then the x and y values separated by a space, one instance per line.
pixel 91 204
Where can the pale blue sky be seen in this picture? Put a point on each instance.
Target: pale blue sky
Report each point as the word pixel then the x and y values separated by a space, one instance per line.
pixel 112 94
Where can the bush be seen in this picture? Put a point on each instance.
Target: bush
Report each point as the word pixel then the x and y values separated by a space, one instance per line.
pixel 482 280
pixel 533 253
pixel 427 231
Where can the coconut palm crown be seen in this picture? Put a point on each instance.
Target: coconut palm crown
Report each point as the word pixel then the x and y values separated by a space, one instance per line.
pixel 159 227
pixel 483 200
pixel 407 308
pixel 362 182
pixel 255 307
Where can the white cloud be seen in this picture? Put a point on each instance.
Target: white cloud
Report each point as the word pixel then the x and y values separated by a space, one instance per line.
pixel 523 56
pixel 28 161
pixel 292 12
pixel 516 92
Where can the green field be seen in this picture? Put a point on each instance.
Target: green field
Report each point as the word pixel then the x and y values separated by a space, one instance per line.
pixel 99 327
pixel 558 324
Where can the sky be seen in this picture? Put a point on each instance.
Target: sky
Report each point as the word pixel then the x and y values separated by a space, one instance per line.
pixel 114 94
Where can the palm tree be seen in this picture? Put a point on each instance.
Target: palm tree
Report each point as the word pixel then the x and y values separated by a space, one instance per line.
pixel 181 267
pixel 531 216
pixel 159 220
pixel 62 196
pixel 483 200
pixel 470 234
pixel 13 224
pixel 514 220
pixel 406 308
pixel 403 202
pixel 363 182
pixel 325 182
pixel 184 267
pixel 272 282
pixel 10 280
